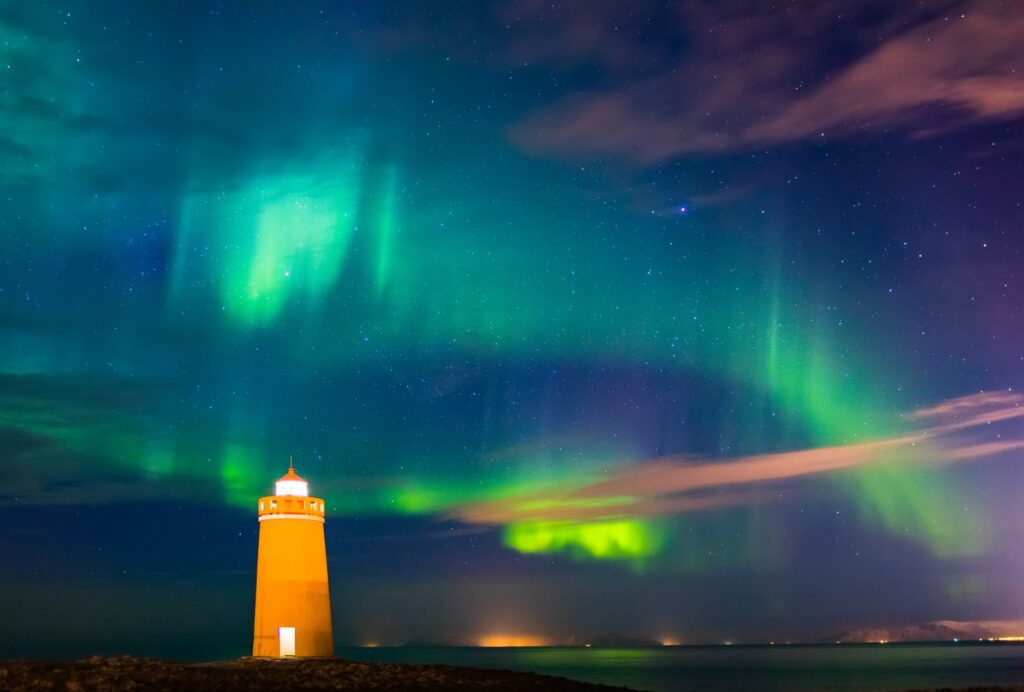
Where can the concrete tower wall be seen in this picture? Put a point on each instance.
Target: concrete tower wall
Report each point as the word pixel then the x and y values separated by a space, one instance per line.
pixel 291 578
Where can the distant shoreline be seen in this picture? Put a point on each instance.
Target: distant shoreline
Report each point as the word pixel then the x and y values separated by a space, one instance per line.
pixel 737 645
pixel 54 655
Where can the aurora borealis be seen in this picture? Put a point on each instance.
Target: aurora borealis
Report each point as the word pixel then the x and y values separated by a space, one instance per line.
pixel 661 320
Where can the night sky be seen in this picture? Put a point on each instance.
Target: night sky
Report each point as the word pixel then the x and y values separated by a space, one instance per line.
pixel 700 321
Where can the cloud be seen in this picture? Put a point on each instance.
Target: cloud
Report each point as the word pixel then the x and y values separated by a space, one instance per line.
pixel 970 65
pixel 88 439
pixel 675 485
pixel 606 33
pixel 972 403
pixel 758 77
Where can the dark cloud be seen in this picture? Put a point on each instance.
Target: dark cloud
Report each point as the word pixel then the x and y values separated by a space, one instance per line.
pixel 761 77
pixel 616 37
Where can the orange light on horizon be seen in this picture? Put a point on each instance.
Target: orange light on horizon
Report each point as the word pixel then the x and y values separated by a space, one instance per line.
pixel 511 640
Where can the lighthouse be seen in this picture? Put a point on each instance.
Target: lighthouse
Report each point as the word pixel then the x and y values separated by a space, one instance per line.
pixel 293 605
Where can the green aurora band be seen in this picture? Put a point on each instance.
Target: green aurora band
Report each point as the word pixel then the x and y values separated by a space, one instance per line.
pixel 287 241
pixel 363 255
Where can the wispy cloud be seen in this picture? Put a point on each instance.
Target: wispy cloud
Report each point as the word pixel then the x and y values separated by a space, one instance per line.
pixel 674 485
pixel 758 77
pixel 970 404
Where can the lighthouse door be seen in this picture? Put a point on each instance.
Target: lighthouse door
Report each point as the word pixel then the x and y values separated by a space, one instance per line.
pixel 286 639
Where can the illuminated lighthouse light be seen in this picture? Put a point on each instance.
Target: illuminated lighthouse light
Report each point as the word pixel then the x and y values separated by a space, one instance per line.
pixel 299 488
pixel 291 483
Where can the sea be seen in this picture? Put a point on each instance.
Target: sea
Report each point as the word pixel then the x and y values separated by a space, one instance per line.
pixel 719 668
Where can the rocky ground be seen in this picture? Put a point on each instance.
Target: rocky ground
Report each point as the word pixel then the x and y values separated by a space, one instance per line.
pixel 109 674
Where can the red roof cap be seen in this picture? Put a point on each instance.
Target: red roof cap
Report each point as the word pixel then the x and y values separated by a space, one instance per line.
pixel 291 475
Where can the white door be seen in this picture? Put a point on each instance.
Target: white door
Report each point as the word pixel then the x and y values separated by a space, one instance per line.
pixel 286 638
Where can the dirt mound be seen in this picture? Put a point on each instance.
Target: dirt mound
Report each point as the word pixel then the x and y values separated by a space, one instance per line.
pixel 126 673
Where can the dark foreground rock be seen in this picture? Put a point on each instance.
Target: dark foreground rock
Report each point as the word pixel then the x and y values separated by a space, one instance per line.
pixel 103 674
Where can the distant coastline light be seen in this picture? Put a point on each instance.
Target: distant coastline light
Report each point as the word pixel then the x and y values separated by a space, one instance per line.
pixel 510 640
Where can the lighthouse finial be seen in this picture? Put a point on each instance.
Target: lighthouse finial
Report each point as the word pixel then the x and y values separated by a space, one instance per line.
pixel 291 466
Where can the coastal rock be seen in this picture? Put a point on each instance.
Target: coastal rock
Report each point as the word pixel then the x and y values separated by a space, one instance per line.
pixel 98 674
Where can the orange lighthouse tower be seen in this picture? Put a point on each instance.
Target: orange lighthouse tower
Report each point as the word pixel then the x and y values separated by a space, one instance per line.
pixel 293 605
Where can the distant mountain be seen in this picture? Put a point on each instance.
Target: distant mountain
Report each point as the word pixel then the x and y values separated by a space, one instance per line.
pixel 615 641
pixel 435 642
pixel 938 630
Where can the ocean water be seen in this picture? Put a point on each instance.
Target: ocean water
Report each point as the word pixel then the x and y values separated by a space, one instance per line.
pixel 719 668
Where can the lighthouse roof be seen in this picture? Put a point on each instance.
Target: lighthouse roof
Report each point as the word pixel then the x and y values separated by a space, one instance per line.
pixel 291 483
pixel 291 476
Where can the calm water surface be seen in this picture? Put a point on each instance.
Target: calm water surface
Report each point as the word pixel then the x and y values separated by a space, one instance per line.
pixel 846 667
